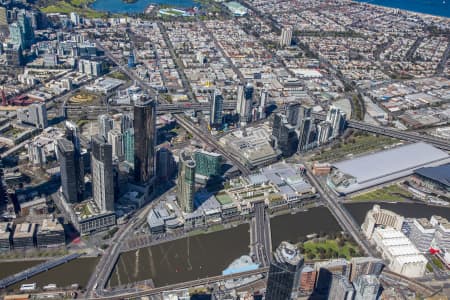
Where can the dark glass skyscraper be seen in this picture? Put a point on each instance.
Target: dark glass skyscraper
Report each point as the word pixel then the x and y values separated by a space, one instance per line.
pixel 304 125
pixel 284 272
pixel 216 109
pixel 69 179
pixel 73 135
pixel 144 140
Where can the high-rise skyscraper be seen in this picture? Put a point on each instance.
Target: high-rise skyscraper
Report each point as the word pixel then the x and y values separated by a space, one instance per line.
pixel 326 270
pixel 34 114
pixel 102 174
pixel 284 135
pixel 263 103
pixel 105 124
pixel 68 167
pixel 115 139
pixel 245 102
pixel 144 140
pixel 367 287
pixel 3 16
pixel 208 164
pixel 304 124
pixel 341 288
pixel 126 122
pixel 128 143
pixel 284 272
pixel 216 109
pixel 323 132
pixel 293 112
pixel 14 56
pixel 337 119
pixel 186 182
pixel 365 266
pixel 16 35
pixel 286 36
pixel 21 32
pixel 73 135
pixel 27 28
pixel 166 164
pixel 75 18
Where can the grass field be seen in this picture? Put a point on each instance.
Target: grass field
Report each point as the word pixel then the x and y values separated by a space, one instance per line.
pixel 210 229
pixel 437 262
pixel 78 6
pixel 118 75
pixel 354 145
pixel 329 249
pixel 392 193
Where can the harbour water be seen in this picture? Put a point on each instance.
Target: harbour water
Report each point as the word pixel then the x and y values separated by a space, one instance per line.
pixel 432 7
pixel 207 254
pixel 118 6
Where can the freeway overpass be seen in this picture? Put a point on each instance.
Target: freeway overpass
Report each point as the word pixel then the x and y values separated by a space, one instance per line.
pixel 400 134
pixel 410 136
pixel 91 112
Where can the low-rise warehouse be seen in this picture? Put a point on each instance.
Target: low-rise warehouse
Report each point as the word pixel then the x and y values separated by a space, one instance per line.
pixel 373 169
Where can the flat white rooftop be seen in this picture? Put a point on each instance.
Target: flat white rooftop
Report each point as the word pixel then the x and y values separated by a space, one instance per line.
pixel 372 169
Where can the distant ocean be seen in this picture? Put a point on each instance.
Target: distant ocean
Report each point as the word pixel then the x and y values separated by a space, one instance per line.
pixel 431 7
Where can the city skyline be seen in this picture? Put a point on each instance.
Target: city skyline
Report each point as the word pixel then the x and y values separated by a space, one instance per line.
pixel 259 149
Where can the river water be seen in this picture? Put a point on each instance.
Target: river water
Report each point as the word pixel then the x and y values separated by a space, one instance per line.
pixel 207 254
pixel 76 271
pixel 296 227
pixel 185 259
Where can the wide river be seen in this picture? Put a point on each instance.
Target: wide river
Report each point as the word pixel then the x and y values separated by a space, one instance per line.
pixel 207 254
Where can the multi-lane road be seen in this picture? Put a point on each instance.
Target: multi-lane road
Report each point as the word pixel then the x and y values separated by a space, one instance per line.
pixel 339 212
pixel 105 266
pixel 261 238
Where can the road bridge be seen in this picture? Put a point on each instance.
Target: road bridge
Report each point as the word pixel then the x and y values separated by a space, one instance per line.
pixel 116 295
pixel 43 267
pixel 260 237
pixel 387 276
pixel 341 214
